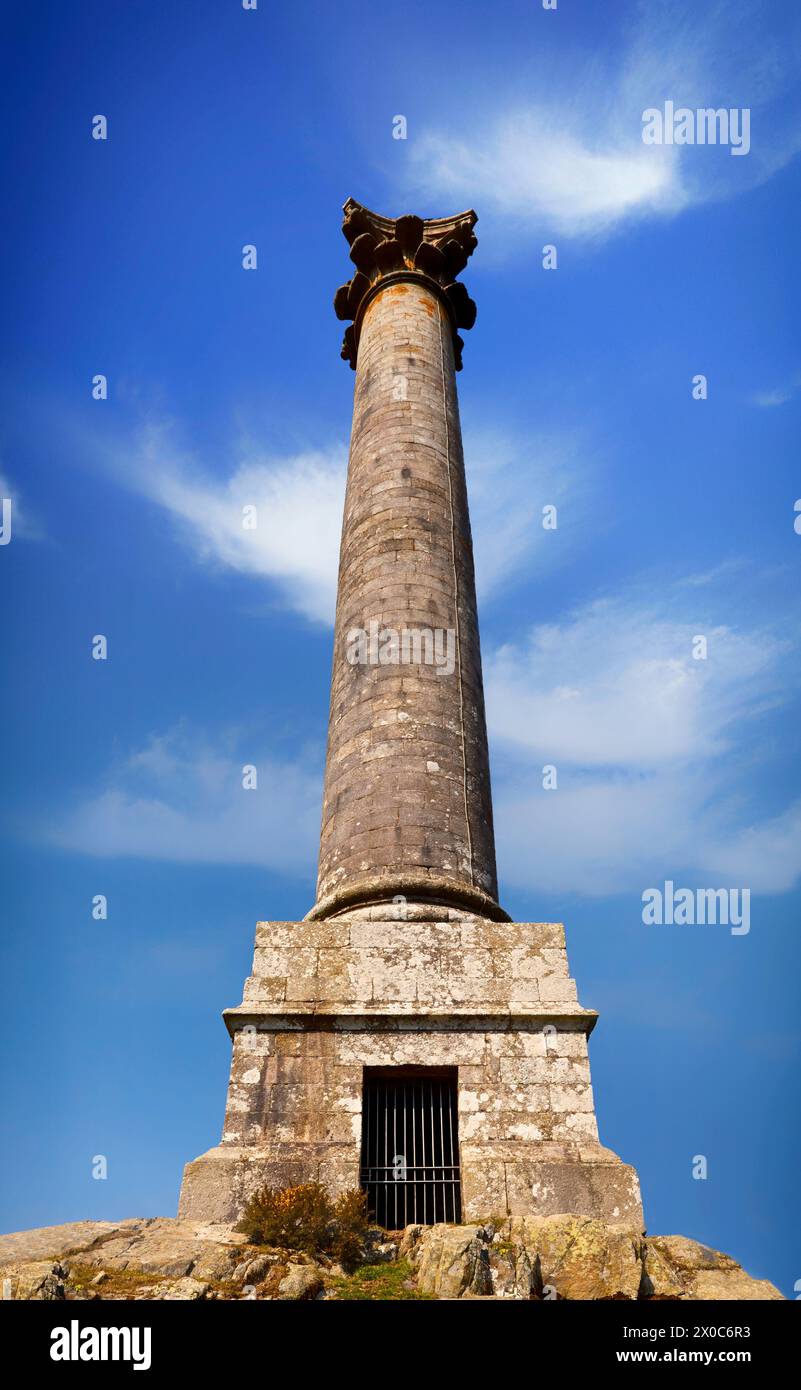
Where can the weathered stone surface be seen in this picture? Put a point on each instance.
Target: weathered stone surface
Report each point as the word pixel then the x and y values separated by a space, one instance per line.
pixel 160 1245
pixel 529 1140
pixel 731 1285
pixel 185 1290
pixel 166 1247
pixel 579 1257
pixel 511 1271
pixel 662 1279
pixel 253 1271
pixel 565 1257
pixel 451 1261
pixel 301 1282
pixel 527 1257
pixel 676 1267
pixel 54 1241
pixel 41 1280
pixel 406 804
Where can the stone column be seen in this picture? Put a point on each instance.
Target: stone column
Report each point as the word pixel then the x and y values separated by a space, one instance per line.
pixel 407 807
pixel 436 984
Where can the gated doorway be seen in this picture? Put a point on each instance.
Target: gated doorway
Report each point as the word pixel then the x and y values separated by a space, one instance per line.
pixel 410 1145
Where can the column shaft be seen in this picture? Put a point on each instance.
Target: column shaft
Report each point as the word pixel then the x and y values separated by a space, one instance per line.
pixel 407 806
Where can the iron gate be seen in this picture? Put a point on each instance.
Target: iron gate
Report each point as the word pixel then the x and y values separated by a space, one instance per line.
pixel 410 1147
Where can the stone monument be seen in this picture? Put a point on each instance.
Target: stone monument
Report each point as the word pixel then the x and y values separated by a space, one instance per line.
pixel 406 1035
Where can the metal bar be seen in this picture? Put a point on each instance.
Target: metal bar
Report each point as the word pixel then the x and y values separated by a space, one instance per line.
pixel 405 1153
pixel 414 1150
pixel 450 1146
pixel 433 1149
pixel 423 1149
pixel 410 1161
pixel 442 1153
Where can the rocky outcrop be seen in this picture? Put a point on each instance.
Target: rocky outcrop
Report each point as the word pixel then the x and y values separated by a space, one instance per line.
pixel 452 1261
pixel 524 1257
pixel 42 1280
pixel 676 1267
pixel 301 1282
pixel 572 1257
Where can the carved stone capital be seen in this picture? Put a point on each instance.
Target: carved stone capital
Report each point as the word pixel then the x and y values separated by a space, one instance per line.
pixel 385 249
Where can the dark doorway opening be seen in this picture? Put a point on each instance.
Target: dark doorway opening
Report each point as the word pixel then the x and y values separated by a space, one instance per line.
pixel 410 1145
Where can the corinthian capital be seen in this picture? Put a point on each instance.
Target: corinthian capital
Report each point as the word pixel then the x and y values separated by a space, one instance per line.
pixel 386 249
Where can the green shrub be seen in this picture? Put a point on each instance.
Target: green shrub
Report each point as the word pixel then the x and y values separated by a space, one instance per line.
pixel 349 1228
pixel 294 1217
pixel 304 1218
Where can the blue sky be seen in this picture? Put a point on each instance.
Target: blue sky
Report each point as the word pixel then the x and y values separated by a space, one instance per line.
pixel 122 777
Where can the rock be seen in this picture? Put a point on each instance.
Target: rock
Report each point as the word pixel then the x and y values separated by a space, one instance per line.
pixel 660 1278
pixel 679 1268
pixel 409 1240
pixel 255 1270
pixel 383 1252
pixel 302 1281
pixel 567 1257
pixel 171 1248
pixel 158 1245
pixel 689 1256
pixel 41 1280
pixel 452 1261
pixel 43 1242
pixel 511 1272
pixel 725 1285
pixel 185 1290
pixel 578 1257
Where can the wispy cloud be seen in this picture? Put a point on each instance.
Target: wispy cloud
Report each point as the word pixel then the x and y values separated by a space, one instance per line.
pixel 181 798
pixel 279 519
pixel 510 481
pixel 573 162
pixel 655 768
pixel 618 685
pixel 525 169
pixel 778 395
pixel 652 750
pixel 296 502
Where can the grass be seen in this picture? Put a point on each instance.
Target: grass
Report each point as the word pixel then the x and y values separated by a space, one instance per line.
pixel 119 1283
pixel 384 1283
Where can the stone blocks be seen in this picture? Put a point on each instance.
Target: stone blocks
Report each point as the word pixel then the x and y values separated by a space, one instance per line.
pixel 492 1000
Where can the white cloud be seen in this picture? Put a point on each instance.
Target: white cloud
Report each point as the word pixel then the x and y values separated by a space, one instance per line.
pixel 299 502
pixel 606 835
pixel 652 749
pixel 180 798
pixel 618 685
pixel 779 395
pixel 573 162
pixel 526 167
pixel 656 778
pixel 768 854
pixel 509 483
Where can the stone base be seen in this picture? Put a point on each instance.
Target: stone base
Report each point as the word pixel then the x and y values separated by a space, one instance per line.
pixel 217 1185
pixel 498 1180
pixel 493 1003
pixel 520 1179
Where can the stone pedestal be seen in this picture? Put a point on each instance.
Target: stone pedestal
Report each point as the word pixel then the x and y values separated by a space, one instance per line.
pixel 440 989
